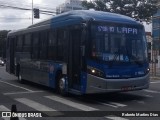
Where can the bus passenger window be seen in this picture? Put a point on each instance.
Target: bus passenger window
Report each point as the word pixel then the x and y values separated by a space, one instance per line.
pixel 35 51
pixel 52 45
pixel 43 45
pixel 27 43
pixel 60 44
pixel 19 43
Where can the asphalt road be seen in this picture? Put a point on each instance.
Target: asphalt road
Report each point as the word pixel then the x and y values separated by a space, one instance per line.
pixel 31 97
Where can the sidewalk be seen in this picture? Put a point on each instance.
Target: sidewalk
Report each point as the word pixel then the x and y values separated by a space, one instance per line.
pixel 154 78
pixel 154 72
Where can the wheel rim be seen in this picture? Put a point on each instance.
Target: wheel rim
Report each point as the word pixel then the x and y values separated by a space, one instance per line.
pixel 20 78
pixel 62 84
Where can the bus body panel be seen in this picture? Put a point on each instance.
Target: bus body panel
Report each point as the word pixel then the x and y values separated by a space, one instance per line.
pixel 41 72
pixel 83 82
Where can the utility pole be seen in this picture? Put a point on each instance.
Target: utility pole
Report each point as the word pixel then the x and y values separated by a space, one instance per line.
pixel 32 12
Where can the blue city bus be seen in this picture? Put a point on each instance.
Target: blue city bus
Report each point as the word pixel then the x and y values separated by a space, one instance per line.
pixel 81 52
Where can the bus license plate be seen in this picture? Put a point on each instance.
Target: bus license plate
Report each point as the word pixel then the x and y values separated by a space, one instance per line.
pixel 126 88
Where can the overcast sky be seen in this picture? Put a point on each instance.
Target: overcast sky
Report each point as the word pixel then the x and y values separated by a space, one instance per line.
pixel 12 19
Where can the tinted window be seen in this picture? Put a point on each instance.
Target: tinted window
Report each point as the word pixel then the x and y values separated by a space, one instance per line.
pixel 43 44
pixel 52 45
pixel 35 52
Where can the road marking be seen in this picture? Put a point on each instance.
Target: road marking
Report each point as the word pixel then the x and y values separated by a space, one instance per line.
pixel 155 82
pixel 72 104
pixel 106 104
pixel 38 106
pixel 111 104
pixel 3 108
pixel 138 101
pixel 117 104
pixel 115 118
pixel 33 104
pixel 148 96
pixel 13 93
pixel 16 86
pixel 151 91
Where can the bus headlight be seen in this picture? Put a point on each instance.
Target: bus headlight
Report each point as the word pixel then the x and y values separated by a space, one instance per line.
pixel 95 71
pixel 147 70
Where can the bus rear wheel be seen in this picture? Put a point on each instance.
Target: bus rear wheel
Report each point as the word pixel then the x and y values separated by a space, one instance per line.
pixel 61 86
pixel 20 78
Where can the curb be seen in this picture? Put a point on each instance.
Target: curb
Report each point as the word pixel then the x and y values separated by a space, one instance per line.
pixel 155 78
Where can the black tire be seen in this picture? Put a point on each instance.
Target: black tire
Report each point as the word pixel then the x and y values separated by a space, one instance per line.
pixel 20 77
pixel 61 86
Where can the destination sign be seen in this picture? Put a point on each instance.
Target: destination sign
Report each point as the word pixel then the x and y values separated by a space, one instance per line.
pixel 113 29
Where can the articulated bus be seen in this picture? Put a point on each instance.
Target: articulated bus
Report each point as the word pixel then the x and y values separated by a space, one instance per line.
pixel 81 52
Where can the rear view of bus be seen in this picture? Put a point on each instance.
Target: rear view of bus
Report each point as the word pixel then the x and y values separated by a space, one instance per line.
pixel 118 57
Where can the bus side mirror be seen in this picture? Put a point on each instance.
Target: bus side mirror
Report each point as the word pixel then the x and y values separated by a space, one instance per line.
pixel 83 50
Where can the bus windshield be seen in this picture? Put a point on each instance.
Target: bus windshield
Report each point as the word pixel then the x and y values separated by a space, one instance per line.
pixel 118 43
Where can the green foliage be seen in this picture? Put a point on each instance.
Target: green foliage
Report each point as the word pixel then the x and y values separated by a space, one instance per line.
pixel 3 38
pixel 142 10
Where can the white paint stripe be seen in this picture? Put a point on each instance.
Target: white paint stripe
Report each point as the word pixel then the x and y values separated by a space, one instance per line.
pixel 33 104
pixel 112 104
pixel 117 104
pixel 72 104
pixel 151 91
pixel 39 107
pixel 148 96
pixel 115 118
pixel 16 86
pixel 3 108
pixel 107 104
pixel 138 101
pixel 13 93
pixel 155 82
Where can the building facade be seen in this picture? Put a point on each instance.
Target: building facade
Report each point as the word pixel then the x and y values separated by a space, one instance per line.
pixel 156 30
pixel 69 5
pixel 149 45
pixel 156 36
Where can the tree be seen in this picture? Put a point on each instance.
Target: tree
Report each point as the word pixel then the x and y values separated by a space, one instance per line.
pixel 142 10
pixel 3 38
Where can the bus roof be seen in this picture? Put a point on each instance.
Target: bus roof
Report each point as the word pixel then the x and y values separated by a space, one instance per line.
pixel 86 15
pixel 77 16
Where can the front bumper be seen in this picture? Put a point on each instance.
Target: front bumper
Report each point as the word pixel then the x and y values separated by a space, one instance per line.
pixel 102 85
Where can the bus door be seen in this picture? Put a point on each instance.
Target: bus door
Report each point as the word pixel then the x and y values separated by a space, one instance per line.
pixel 74 59
pixel 10 55
pixel 7 55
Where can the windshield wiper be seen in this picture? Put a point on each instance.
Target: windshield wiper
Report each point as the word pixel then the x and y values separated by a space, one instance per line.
pixel 136 60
